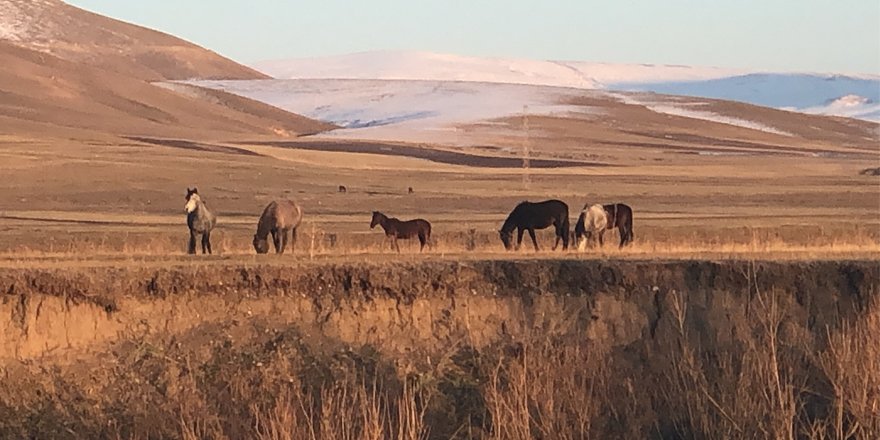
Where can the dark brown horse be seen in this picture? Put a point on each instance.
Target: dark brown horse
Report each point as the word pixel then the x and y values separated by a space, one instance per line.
pixel 528 216
pixel 395 229
pixel 279 218
pixel 618 216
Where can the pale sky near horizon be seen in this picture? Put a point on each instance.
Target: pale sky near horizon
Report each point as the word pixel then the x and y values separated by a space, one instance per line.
pixel 781 35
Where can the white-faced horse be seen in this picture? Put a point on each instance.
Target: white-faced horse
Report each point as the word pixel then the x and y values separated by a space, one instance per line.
pixel 592 222
pixel 200 221
pixel 595 219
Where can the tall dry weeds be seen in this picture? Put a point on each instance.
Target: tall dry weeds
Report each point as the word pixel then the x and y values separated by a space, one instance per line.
pixel 750 390
pixel 852 364
pixel 547 388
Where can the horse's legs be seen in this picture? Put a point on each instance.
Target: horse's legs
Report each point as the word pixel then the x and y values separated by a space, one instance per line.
pixel 395 244
pixel 422 241
pixel 602 238
pixel 534 239
pixel 623 236
pixel 206 242
pixel 556 244
pixel 192 243
pixel 519 234
pixel 283 239
pixel 276 241
pixel 292 239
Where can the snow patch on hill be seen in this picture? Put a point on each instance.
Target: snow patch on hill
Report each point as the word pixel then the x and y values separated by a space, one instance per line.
pixel 403 110
pixel 429 67
pixel 795 91
pixel 693 110
pixel 851 106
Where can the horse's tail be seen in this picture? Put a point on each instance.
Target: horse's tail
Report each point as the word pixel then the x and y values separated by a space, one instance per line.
pixel 565 227
pixel 629 226
pixel 426 230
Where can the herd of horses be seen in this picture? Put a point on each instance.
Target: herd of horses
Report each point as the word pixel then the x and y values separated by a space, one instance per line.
pixel 281 218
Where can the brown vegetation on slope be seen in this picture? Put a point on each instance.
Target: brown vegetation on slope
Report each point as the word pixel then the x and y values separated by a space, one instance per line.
pixel 70 33
pixel 480 350
pixel 46 96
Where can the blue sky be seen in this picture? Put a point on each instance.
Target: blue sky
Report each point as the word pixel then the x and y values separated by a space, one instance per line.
pixel 841 36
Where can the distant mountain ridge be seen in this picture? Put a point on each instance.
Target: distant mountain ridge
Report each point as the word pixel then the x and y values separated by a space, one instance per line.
pixel 71 33
pixel 69 73
pixel 807 92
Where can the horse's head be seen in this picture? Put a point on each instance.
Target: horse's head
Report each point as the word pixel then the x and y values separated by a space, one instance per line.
pixel 192 200
pixel 582 240
pixel 579 228
pixel 261 245
pixel 377 218
pixel 506 238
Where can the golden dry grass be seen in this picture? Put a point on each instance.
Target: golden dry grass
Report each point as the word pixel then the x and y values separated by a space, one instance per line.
pixel 547 383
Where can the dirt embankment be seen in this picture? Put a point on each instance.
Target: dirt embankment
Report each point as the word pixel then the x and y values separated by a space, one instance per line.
pixel 589 349
pixel 426 306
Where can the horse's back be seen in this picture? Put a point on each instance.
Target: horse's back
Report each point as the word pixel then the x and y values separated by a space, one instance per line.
pixel 284 214
pixel 619 214
pixel 423 225
pixel 596 217
pixel 540 214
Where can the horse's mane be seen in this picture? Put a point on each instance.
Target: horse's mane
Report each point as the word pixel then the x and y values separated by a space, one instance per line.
pixel 264 226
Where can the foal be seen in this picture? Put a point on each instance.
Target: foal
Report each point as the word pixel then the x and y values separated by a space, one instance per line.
pixel 395 229
pixel 200 221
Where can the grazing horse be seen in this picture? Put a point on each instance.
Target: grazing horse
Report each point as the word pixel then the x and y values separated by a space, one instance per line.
pixel 616 215
pixel 279 217
pixel 342 189
pixel 621 217
pixel 200 221
pixel 593 220
pixel 395 229
pixel 528 216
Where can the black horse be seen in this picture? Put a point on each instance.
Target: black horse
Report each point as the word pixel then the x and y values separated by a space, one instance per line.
pixel 619 216
pixel 395 228
pixel 528 216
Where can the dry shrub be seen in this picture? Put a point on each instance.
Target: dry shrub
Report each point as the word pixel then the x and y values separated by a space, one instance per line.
pixel 852 364
pixel 766 380
pixel 749 390
pixel 547 387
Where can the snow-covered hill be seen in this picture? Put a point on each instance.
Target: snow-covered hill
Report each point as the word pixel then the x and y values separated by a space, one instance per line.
pixel 447 67
pixel 418 111
pixel 811 93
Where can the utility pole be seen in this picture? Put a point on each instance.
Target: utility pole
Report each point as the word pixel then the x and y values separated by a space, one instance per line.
pixel 526 140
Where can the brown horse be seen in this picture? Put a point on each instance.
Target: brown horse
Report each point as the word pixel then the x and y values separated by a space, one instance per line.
pixel 528 216
pixel 395 229
pixel 617 215
pixel 278 218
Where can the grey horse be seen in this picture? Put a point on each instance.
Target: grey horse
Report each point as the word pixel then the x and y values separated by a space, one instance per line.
pixel 200 221
pixel 279 218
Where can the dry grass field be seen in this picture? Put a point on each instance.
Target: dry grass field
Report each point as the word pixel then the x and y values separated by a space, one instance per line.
pixel 76 197
pixel 224 346
pixel 747 306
